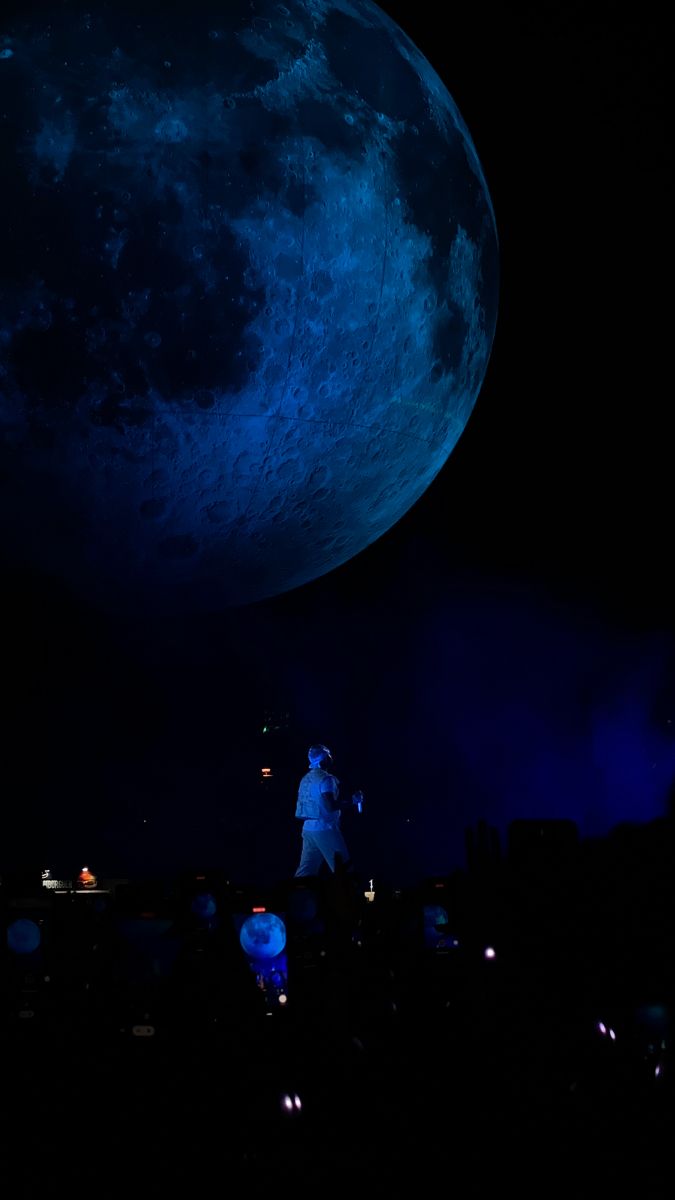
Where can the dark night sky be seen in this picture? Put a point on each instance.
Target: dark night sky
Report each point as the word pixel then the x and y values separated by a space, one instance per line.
pixel 508 648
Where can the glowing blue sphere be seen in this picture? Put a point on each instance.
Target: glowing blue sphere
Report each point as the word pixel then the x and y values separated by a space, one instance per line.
pixel 262 935
pixel 435 916
pixel 436 926
pixel 249 292
pixel 204 905
pixel 23 936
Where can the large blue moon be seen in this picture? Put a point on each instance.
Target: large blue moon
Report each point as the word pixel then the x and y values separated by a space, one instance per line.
pixel 248 293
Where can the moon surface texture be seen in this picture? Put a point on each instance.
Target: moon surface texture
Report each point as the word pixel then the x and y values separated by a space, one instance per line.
pixel 248 293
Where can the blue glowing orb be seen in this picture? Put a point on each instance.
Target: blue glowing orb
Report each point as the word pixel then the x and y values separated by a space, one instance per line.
pixel 262 935
pixel 204 905
pixel 436 930
pixel 23 936
pixel 435 917
pixel 249 293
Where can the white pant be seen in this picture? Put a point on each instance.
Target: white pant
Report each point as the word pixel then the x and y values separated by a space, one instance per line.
pixel 321 846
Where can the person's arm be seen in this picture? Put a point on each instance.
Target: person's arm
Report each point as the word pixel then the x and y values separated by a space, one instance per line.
pixel 331 793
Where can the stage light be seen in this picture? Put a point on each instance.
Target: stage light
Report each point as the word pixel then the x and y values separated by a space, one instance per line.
pixel 291 1105
pixel 23 936
pixel 489 952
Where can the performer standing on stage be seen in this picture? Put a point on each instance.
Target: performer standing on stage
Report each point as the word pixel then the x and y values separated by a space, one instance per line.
pixel 318 807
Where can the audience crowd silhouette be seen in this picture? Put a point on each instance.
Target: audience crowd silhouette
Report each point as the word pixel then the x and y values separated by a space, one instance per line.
pixel 508 1025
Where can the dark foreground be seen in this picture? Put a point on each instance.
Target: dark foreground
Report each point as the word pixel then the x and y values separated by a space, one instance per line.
pixel 508 1027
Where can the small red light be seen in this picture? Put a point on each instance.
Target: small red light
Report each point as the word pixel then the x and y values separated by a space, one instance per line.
pixel 259 908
